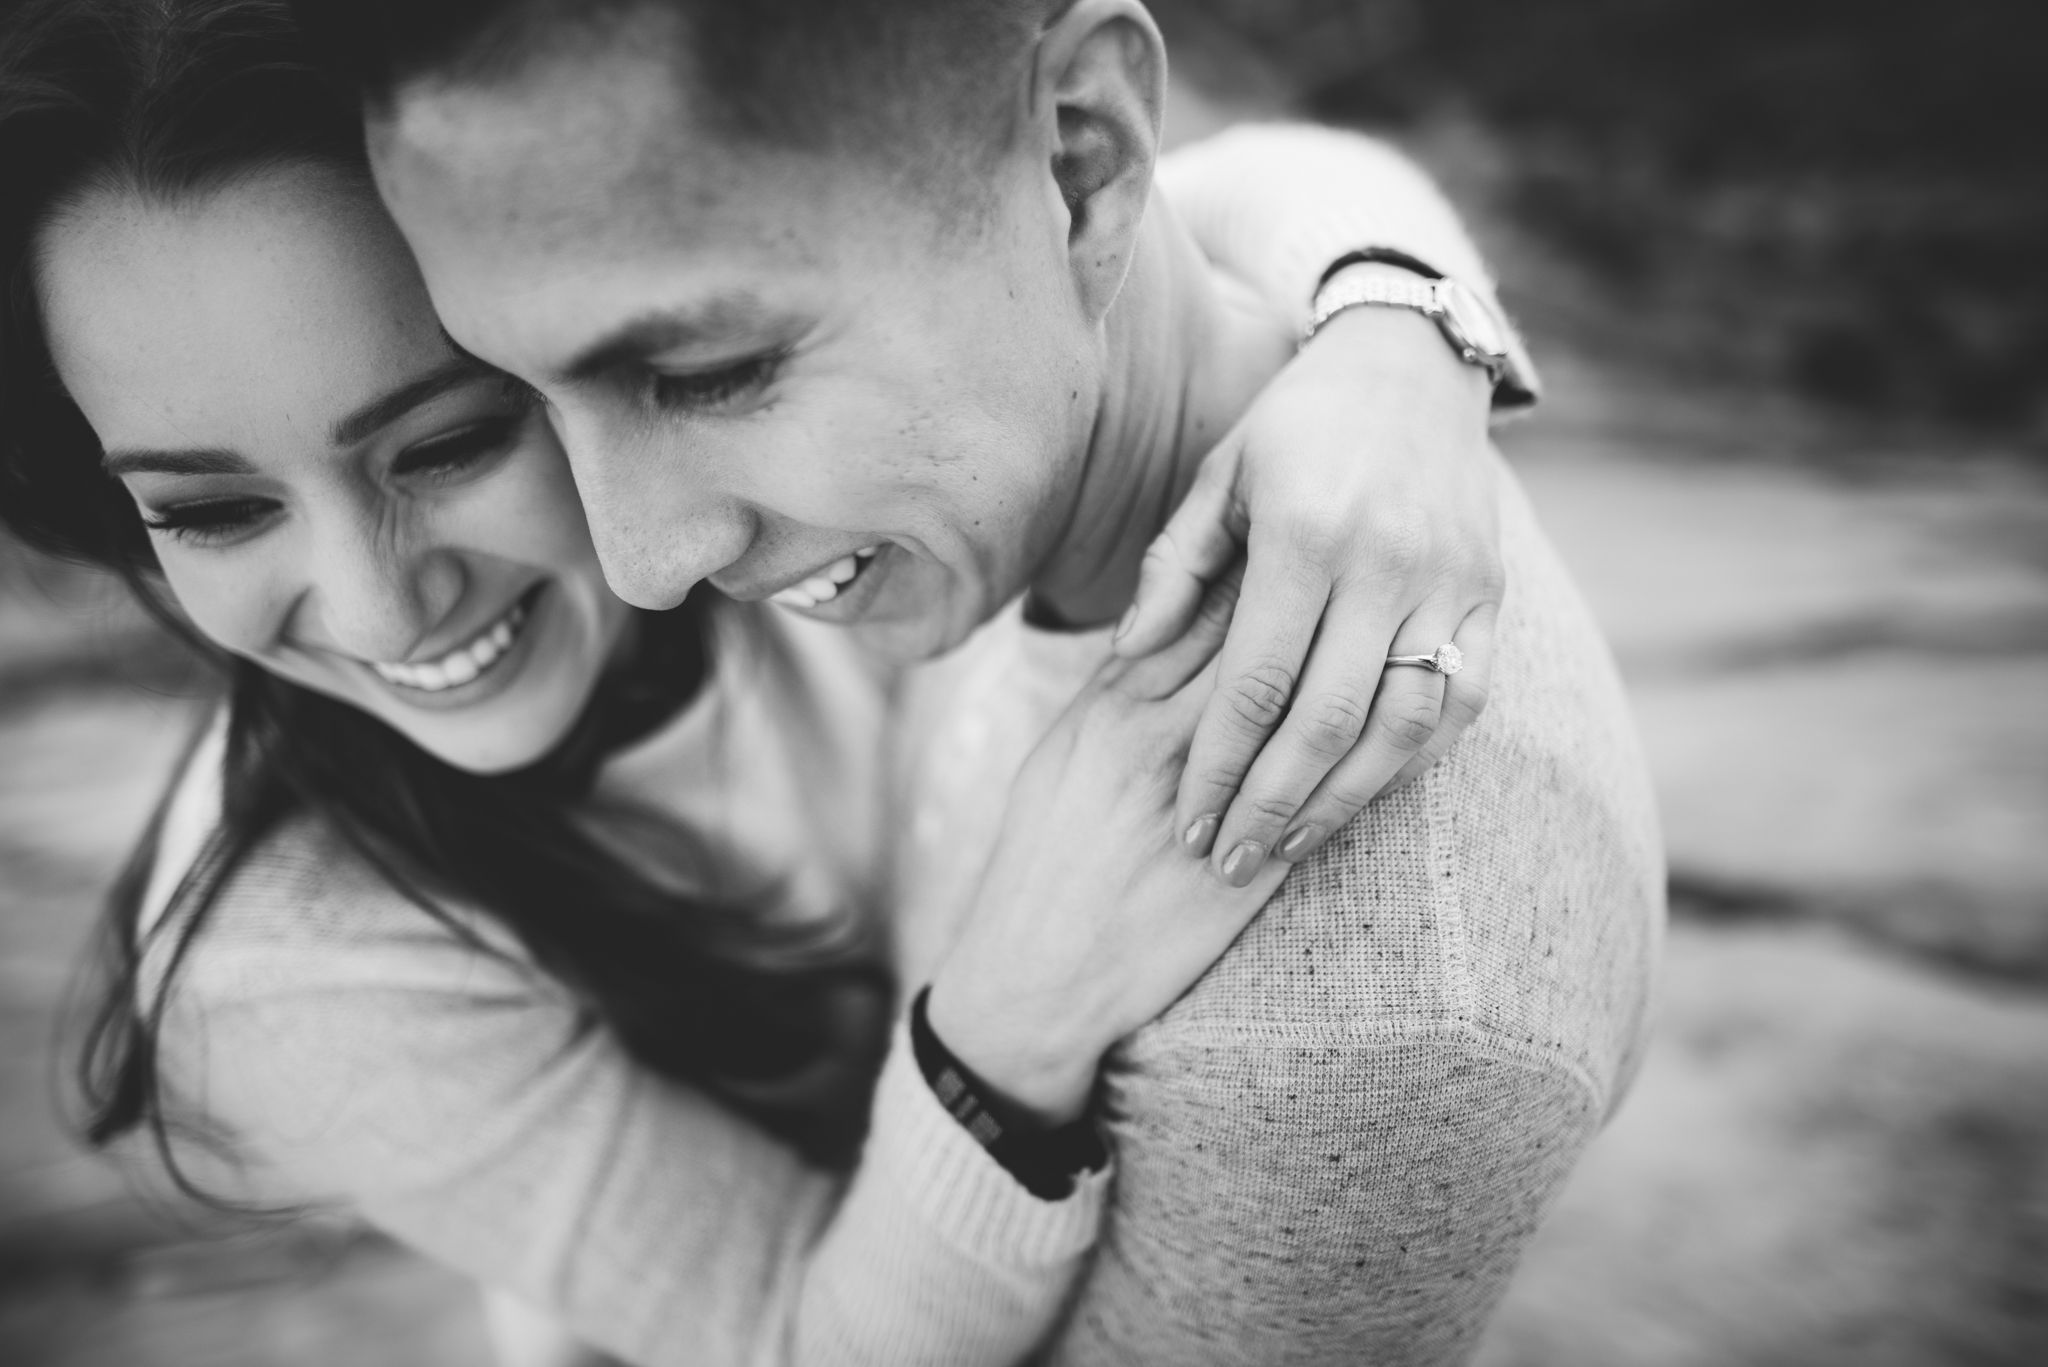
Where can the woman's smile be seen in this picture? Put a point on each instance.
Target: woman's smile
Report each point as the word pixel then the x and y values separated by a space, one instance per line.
pixel 474 662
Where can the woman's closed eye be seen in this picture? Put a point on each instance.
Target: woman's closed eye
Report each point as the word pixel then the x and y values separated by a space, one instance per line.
pixel 709 391
pixel 465 451
pixel 211 521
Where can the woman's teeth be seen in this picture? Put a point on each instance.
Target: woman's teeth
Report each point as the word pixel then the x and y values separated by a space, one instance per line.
pixel 462 666
pixel 824 586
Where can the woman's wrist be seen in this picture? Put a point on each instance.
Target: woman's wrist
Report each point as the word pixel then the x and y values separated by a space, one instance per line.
pixel 1046 1159
pixel 1044 1072
pixel 1401 343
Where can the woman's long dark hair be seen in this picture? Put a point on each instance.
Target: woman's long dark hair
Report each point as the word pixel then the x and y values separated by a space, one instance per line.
pixel 172 99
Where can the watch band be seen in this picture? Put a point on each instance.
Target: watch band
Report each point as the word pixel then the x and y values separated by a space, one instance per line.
pixel 1394 291
pixel 1433 298
pixel 1515 382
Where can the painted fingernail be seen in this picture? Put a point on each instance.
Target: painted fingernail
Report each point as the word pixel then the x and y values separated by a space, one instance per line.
pixel 1243 863
pixel 1200 836
pixel 1297 842
pixel 1123 626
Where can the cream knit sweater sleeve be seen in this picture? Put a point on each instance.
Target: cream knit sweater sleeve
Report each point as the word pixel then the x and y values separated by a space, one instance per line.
pixel 359 1053
pixel 1277 204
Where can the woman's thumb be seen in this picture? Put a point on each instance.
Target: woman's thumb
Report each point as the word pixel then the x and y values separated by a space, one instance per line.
pixel 1198 543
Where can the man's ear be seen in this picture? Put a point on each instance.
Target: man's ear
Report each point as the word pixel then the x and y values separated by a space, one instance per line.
pixel 1101 78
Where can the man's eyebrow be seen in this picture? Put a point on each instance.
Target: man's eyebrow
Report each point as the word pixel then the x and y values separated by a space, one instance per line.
pixel 195 462
pixel 388 408
pixel 661 330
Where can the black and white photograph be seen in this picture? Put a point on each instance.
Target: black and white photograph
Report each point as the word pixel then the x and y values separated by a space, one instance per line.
pixel 1023 683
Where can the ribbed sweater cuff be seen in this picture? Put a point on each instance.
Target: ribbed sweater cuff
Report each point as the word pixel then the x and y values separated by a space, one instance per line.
pixel 953 1184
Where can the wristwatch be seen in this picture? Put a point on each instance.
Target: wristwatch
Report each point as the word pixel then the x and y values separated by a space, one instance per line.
pixel 1475 330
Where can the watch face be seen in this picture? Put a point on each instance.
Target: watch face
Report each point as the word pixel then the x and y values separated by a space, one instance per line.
pixel 1482 331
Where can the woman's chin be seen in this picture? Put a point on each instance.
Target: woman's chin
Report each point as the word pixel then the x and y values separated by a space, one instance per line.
pixel 516 713
pixel 491 740
pixel 509 728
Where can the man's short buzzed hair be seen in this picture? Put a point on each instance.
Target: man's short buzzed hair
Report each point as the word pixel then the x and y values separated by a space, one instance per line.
pixel 840 75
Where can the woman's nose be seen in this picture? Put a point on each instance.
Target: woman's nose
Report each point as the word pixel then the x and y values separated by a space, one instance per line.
pixel 379 602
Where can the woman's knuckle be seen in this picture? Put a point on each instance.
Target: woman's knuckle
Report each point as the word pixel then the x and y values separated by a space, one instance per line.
pixel 1258 697
pixel 1463 708
pixel 1318 533
pixel 1409 720
pixel 1267 810
pixel 1400 541
pixel 1332 723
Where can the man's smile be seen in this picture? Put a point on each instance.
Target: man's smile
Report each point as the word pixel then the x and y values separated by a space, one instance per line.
pixel 824 585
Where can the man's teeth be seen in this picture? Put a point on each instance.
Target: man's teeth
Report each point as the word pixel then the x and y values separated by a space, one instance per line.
pixel 824 586
pixel 459 667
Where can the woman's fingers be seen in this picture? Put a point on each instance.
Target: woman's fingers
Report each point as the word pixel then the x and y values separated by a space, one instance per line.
pixel 1465 695
pixel 1196 546
pixel 1386 755
pixel 1169 671
pixel 1279 612
pixel 1352 710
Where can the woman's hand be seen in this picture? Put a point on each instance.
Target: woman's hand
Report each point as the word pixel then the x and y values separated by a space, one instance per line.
pixel 1361 485
pixel 1091 920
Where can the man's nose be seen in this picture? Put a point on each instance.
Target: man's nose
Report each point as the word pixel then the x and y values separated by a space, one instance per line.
pixel 660 520
pixel 377 601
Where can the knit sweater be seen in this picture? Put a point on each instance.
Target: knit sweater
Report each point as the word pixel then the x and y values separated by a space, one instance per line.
pixel 1336 1146
pixel 360 1056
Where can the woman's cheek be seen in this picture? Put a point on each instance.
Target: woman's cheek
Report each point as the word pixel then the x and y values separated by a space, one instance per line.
pixel 236 601
pixel 529 513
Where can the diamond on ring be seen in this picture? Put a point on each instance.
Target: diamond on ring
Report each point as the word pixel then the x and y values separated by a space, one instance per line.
pixel 1445 659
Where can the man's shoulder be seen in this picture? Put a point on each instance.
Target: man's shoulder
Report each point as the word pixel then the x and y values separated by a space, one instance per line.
pixel 1508 902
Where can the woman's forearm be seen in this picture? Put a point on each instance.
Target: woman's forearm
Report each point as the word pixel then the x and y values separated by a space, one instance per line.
pixel 1277 204
pixel 466 1108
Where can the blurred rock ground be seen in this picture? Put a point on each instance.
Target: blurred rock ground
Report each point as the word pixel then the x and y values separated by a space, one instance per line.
pixel 1836 635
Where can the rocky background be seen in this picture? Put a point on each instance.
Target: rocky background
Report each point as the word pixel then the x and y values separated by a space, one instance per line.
pixel 1781 261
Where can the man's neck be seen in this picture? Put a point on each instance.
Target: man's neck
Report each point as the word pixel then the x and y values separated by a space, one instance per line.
pixel 1187 353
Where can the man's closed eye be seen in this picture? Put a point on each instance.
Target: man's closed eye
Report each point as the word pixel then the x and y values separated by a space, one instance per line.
pixel 714 391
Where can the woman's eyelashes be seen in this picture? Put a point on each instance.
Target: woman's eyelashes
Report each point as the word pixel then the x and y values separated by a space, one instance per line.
pixel 709 391
pixel 445 458
pixel 210 521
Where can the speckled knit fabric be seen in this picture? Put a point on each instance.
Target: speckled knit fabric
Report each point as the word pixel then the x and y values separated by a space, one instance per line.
pixel 1335 1148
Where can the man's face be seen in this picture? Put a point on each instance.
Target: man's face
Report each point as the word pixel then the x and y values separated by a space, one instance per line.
pixel 785 374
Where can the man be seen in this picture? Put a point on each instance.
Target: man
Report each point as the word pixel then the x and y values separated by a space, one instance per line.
pixel 884 286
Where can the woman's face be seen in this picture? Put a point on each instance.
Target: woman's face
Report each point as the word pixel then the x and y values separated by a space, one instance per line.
pixel 334 490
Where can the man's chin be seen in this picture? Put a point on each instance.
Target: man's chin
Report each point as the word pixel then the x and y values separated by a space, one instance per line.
pixel 920 611
pixel 909 642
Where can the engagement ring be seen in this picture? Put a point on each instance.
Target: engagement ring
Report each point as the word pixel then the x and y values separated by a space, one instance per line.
pixel 1447 659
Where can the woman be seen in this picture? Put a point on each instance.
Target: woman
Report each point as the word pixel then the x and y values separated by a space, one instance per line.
pixel 539 930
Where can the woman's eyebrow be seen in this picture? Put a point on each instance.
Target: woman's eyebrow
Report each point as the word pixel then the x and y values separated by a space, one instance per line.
pixel 195 462
pixel 372 417
pixel 388 408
